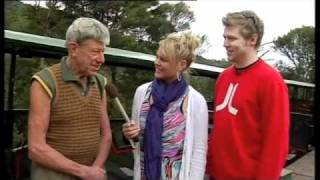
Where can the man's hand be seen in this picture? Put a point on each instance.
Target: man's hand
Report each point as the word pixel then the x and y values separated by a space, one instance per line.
pixel 93 173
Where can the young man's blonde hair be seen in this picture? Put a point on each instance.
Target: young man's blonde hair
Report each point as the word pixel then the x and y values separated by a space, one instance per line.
pixel 250 24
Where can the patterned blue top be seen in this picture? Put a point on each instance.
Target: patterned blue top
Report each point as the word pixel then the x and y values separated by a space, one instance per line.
pixel 172 137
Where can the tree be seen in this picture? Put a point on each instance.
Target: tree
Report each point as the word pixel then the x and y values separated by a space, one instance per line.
pixel 34 19
pixel 134 26
pixel 299 47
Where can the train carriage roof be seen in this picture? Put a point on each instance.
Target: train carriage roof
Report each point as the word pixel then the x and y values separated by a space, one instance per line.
pixel 28 45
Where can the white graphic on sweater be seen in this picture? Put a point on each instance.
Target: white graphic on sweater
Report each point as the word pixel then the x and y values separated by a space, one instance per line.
pixel 228 100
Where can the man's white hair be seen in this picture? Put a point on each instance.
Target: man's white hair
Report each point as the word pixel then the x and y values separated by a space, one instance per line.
pixel 85 28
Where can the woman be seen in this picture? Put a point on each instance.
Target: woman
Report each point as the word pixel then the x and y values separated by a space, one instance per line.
pixel 169 117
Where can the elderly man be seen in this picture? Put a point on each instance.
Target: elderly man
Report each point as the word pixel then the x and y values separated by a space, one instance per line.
pixel 69 132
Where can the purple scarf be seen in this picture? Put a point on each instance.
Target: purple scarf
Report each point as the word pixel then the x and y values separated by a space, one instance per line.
pixel 162 95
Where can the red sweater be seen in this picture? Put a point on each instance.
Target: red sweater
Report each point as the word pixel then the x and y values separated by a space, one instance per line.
pixel 250 134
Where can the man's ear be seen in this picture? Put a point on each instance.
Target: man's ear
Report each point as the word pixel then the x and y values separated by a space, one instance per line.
pixel 72 48
pixel 253 40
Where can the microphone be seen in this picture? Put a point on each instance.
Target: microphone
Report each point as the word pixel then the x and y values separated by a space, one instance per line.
pixel 113 93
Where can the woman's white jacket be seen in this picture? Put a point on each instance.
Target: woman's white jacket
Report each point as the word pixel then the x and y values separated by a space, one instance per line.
pixel 195 143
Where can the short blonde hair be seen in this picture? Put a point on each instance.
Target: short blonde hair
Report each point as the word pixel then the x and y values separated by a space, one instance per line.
pixel 180 46
pixel 249 23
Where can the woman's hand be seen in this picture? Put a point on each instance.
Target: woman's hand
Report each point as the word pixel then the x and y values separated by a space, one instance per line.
pixel 130 130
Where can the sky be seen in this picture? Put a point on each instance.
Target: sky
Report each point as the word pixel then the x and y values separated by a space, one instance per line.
pixel 279 17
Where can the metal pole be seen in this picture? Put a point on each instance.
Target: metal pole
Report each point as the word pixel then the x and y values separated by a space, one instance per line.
pixel 3 159
pixel 9 121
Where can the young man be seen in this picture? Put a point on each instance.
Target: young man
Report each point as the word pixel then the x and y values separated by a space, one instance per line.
pixel 69 132
pixel 251 119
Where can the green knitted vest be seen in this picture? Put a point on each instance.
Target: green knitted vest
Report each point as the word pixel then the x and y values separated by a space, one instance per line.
pixel 74 128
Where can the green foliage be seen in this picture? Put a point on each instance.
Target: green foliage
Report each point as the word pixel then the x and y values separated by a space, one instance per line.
pixel 299 47
pixel 223 63
pixel 20 129
pixel 204 85
pixel 35 19
pixel 126 80
pixel 14 18
pixel 134 26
